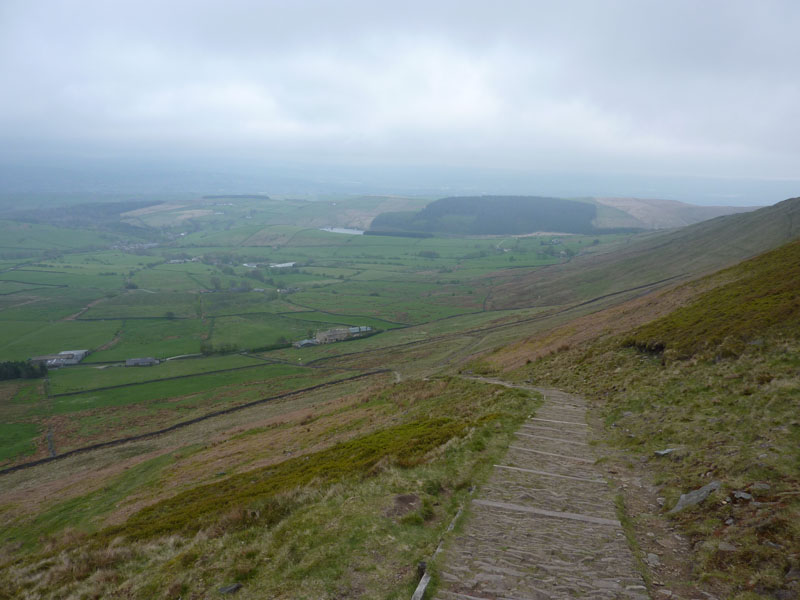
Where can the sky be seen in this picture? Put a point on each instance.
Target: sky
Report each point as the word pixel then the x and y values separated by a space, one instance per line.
pixel 689 89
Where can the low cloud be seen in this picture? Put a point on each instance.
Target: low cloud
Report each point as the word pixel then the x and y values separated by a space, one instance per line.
pixel 640 86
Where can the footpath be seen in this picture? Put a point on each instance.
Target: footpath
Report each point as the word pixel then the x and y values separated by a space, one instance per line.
pixel 544 526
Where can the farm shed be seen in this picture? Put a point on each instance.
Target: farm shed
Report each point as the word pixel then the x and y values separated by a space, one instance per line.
pixel 305 343
pixel 66 357
pixel 141 362
pixel 332 335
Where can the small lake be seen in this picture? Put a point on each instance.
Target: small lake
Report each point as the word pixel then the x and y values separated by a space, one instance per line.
pixel 343 230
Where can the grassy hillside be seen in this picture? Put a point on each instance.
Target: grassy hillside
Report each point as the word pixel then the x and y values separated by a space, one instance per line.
pixel 683 253
pixel 657 214
pixel 762 300
pixel 346 497
pixel 709 370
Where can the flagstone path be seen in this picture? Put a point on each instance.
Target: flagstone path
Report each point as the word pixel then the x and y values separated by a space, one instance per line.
pixel 544 526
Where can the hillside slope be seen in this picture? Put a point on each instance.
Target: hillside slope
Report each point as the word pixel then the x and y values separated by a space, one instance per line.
pixel 682 253
pixel 710 371
pixel 647 213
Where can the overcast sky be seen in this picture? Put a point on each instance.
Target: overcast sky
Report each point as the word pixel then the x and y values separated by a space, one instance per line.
pixel 668 87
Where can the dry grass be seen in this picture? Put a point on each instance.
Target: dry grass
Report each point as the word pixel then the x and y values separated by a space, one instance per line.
pixel 315 540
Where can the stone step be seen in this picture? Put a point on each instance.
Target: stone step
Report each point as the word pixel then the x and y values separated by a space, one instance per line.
pixel 544 525
pixel 542 462
pixel 515 554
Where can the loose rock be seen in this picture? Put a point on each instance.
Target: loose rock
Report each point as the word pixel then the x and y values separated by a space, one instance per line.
pixel 695 496
pixel 740 495
pixel 231 588
pixel 793 575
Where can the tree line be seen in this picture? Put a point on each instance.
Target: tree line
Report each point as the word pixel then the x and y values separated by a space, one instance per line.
pixel 21 370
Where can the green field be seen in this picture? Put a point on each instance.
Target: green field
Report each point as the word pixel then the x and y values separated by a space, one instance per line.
pixel 198 279
pixel 16 439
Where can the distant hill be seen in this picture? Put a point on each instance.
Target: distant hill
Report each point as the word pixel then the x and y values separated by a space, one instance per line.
pixel 657 214
pixel 483 215
pixel 518 215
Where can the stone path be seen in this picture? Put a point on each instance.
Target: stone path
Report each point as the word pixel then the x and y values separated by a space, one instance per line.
pixel 544 526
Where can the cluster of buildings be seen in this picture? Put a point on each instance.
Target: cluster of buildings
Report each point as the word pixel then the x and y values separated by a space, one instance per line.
pixel 180 261
pixel 286 265
pixel 62 359
pixel 337 334
pixel 73 357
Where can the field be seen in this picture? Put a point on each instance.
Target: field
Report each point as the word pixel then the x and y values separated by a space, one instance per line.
pixel 205 285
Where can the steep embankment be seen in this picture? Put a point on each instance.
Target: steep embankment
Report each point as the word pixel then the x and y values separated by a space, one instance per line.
pixel 708 372
pixel 683 253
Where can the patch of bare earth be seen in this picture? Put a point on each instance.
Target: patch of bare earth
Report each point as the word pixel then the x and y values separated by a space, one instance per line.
pixel 110 344
pixel 83 310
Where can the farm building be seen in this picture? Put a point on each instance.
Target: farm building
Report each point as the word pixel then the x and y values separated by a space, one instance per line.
pixel 305 343
pixel 359 330
pixel 332 335
pixel 141 362
pixel 339 334
pixel 62 359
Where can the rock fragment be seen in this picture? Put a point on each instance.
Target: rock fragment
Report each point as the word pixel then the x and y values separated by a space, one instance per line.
pixel 695 496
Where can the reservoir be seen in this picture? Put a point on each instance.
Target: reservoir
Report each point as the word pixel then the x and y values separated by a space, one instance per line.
pixel 343 230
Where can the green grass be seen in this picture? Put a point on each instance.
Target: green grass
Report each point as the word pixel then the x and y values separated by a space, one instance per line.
pixel 17 439
pixel 49 304
pixel 224 303
pixel 30 338
pixel 141 304
pixel 160 338
pixel 83 512
pixel 83 377
pixel 206 385
pixel 23 236
pixel 258 331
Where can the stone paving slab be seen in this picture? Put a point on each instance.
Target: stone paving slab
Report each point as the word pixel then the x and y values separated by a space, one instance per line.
pixel 544 525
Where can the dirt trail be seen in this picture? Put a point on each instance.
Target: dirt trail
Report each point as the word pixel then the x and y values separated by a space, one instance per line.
pixel 544 526
pixel 78 314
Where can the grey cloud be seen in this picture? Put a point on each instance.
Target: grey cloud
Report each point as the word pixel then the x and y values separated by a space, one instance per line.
pixel 639 85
